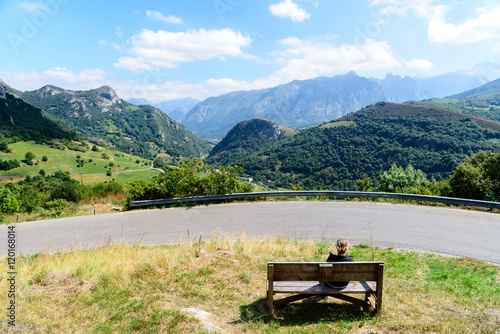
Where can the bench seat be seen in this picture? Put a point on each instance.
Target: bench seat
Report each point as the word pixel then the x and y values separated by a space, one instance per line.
pixel 307 279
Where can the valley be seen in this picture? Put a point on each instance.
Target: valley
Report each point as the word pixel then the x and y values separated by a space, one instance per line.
pixel 98 138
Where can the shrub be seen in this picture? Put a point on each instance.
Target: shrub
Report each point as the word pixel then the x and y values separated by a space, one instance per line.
pixel 67 190
pixel 57 206
pixel 399 179
pixel 192 178
pixel 8 201
pixel 478 177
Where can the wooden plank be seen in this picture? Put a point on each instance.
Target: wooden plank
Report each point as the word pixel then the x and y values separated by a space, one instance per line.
pixel 321 288
pixel 270 287
pixel 332 276
pixel 312 267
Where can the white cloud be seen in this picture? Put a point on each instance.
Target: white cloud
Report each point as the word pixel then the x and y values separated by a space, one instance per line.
pixel 419 64
pixel 421 8
pixel 484 27
pixel 65 74
pixel 114 45
pixel 119 32
pixel 155 50
pixel 159 16
pixel 308 59
pixel 31 7
pixel 58 76
pixel 288 9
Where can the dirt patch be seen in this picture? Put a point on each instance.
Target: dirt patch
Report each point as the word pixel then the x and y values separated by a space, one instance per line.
pixel 220 252
pixel 492 317
pixel 224 252
pixel 61 283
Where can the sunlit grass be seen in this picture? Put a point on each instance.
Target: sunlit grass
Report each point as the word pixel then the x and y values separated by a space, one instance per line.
pixel 136 289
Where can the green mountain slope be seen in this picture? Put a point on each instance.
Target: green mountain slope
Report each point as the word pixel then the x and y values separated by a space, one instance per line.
pixel 489 88
pixel 366 143
pixel 22 121
pixel 248 136
pixel 102 116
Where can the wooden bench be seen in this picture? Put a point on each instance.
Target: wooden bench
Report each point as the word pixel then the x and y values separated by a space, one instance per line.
pixel 305 279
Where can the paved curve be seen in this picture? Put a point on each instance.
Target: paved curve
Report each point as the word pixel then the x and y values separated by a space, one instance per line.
pixel 424 228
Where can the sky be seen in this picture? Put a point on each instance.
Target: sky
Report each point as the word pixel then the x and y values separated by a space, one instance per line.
pixel 164 49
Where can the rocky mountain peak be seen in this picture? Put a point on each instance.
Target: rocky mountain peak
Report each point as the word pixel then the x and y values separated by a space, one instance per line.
pixel 48 91
pixel 108 93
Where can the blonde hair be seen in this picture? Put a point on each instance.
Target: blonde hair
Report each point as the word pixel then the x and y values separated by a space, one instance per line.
pixel 342 246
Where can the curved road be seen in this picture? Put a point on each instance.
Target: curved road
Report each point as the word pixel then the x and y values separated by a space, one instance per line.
pixel 424 228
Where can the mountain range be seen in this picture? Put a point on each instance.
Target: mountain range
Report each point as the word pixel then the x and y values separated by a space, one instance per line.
pixel 301 104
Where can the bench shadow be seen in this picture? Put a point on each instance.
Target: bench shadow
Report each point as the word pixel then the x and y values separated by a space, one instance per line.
pixel 306 312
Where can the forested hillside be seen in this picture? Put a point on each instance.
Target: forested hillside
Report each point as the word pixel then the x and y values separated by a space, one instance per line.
pixel 366 143
pixel 22 121
pixel 102 116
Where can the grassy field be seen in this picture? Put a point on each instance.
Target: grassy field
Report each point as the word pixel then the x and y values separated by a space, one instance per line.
pixel 136 289
pixel 85 167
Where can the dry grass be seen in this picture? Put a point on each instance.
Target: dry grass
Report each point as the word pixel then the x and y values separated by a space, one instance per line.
pixel 125 289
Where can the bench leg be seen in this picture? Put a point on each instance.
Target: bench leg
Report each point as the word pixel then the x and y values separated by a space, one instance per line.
pixel 270 303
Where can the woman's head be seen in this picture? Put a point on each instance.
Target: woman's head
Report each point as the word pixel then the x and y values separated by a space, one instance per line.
pixel 342 246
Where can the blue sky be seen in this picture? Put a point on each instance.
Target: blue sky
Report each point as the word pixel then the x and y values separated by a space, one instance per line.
pixel 161 50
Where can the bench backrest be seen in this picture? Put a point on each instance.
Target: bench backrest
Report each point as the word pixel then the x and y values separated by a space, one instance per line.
pixel 325 271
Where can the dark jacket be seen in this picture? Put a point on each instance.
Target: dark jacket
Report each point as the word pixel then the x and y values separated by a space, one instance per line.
pixel 338 258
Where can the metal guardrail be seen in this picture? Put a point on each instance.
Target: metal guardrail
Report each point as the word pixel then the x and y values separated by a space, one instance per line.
pixel 329 193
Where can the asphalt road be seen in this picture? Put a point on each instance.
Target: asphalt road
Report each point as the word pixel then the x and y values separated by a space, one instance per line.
pixel 424 228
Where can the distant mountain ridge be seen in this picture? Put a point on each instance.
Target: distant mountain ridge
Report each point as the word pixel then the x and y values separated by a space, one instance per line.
pixel 298 104
pixel 177 109
pixel 489 88
pixel 102 115
pixel 301 104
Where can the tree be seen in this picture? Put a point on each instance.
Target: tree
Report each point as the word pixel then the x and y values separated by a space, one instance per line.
pixel 29 156
pixel 95 148
pixel 399 179
pixel 67 190
pixel 8 202
pixel 4 147
pixel 478 177
pixel 45 159
pixel 29 198
pixel 42 173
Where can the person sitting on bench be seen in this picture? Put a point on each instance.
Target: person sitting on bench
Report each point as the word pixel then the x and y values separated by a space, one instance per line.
pixel 342 248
